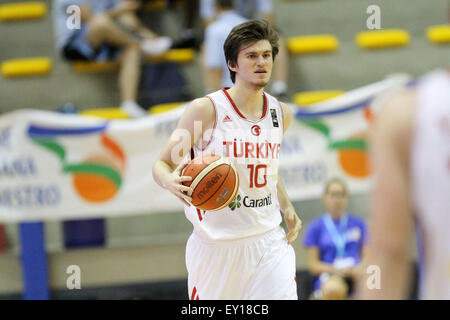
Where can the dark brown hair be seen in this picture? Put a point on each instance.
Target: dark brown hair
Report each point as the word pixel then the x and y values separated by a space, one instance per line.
pixel 246 33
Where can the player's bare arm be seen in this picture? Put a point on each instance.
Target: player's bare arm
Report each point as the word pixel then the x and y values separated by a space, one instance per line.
pixel 167 169
pixel 293 222
pixel 391 212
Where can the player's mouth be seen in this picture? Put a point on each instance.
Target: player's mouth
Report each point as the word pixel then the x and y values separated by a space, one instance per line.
pixel 261 71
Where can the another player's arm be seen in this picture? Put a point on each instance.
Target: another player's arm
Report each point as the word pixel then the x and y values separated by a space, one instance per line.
pixel 293 222
pixel 391 211
pixel 167 168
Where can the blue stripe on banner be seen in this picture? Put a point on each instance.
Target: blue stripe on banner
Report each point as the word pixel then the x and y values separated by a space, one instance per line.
pixel 34 130
pixel 306 114
pixel 364 103
pixel 34 261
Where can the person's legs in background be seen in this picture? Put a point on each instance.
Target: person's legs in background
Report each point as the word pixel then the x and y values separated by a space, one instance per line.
pixel 103 29
pixel 129 76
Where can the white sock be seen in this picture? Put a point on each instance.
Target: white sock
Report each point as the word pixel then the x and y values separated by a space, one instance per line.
pixel 133 109
pixel 157 46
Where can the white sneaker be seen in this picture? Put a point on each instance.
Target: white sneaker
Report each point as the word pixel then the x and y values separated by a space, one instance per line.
pixel 133 109
pixel 157 46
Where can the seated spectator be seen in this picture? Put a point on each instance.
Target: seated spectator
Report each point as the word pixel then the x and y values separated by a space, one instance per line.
pixel 218 14
pixel 109 29
pixel 335 244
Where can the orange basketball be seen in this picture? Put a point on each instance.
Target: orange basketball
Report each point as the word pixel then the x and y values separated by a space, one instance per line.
pixel 215 181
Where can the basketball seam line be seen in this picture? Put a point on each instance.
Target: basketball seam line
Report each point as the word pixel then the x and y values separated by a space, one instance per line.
pixel 228 172
pixel 198 177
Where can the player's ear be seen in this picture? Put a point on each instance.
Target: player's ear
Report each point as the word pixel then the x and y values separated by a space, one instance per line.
pixel 232 66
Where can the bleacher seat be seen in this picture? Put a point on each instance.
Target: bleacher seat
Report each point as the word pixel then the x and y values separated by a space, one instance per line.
pixel 174 55
pixel 22 11
pixel 161 108
pixel 378 39
pixel 309 97
pixel 26 67
pixel 439 34
pixel 105 113
pixel 312 44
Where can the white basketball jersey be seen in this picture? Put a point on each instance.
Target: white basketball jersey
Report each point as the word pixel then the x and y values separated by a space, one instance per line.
pixel 430 164
pixel 254 148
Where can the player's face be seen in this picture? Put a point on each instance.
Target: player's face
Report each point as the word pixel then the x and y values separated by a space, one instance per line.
pixel 336 198
pixel 254 63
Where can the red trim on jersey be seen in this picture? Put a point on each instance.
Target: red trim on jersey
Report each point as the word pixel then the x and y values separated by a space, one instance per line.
pixel 199 214
pixel 224 90
pixel 194 295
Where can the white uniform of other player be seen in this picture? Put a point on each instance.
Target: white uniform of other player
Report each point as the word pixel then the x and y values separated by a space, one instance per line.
pixel 240 251
pixel 431 183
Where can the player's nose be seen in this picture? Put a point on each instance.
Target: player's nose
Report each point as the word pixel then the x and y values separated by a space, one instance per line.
pixel 261 61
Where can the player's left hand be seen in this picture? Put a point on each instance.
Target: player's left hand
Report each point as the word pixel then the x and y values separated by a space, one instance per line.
pixel 293 223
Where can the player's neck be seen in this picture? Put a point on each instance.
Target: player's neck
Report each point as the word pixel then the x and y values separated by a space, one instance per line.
pixel 247 98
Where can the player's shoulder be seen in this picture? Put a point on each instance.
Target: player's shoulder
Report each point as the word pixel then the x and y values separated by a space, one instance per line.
pixel 287 110
pixel 202 105
pixel 396 114
pixel 397 105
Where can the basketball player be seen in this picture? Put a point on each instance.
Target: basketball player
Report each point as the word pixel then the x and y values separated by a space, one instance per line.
pixel 241 251
pixel 412 159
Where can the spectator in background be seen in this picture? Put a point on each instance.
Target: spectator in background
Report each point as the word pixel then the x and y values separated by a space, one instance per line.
pixel 335 244
pixel 223 13
pixel 216 73
pixel 109 29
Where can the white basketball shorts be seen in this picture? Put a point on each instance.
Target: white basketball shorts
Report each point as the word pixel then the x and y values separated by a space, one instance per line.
pixel 255 268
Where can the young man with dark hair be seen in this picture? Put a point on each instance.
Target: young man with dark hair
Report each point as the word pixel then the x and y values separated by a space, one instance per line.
pixel 241 251
pixel 220 16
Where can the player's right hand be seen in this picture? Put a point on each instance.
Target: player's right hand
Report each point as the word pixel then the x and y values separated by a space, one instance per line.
pixel 175 185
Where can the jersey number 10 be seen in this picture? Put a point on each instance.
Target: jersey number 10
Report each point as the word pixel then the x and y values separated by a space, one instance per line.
pixel 254 174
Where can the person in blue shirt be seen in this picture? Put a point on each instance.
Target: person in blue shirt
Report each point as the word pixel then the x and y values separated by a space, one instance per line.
pixel 335 243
